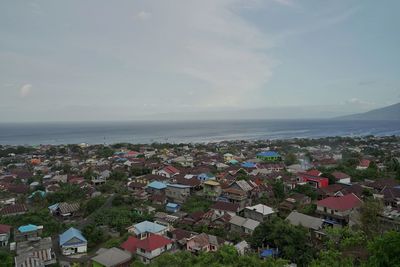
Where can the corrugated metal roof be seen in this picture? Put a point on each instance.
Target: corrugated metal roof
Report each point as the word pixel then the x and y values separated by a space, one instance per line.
pixel 69 234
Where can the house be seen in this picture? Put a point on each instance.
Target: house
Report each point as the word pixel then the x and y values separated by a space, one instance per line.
pixel 313 224
pixel 184 161
pixel 269 156
pixel 112 257
pixel 14 209
pixel 151 247
pixel 5 231
pixel 130 244
pixel 172 207
pixel 228 157
pixel 168 171
pixel 64 210
pixel 242 247
pixel 203 242
pixel 336 210
pixel 177 193
pixel 294 201
pixel 143 229
pixel 314 181
pixel 205 177
pixel 212 189
pixel 240 192
pixel 341 177
pixel 39 252
pixel 243 225
pixel 222 208
pixel 72 242
pixel 29 232
pixel 156 187
pixel 363 165
pixel 259 212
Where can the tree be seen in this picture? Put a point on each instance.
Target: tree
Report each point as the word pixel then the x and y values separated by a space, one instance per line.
pixel 279 190
pixel 290 159
pixel 369 217
pixel 290 240
pixel 385 250
pixel 6 259
pixel 93 234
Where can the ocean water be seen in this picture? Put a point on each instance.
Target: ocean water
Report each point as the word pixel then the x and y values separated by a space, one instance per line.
pixel 185 131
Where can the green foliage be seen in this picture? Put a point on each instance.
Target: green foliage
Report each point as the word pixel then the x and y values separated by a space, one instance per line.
pixel 93 234
pixel 385 250
pixel 93 204
pixel 118 176
pixel 290 159
pixel 6 259
pixel 307 190
pixel 331 258
pixel 279 190
pixel 119 218
pixel 105 152
pixel 290 240
pixel 42 217
pixel 196 203
pixel 225 256
pixel 67 192
pixel 369 217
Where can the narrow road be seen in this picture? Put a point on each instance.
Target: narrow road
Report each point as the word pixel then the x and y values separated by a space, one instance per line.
pixel 80 225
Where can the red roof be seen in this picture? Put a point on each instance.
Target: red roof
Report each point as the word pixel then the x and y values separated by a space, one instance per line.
pixel 225 206
pixel 314 172
pixel 364 163
pixel 343 203
pixel 4 228
pixel 340 175
pixel 13 209
pixel 153 242
pixel 171 169
pixel 130 244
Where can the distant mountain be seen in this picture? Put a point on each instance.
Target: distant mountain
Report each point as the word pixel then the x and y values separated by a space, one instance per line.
pixel 386 113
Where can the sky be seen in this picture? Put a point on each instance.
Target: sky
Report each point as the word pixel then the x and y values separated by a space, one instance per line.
pixel 121 60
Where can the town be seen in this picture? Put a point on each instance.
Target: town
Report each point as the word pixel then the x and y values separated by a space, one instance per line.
pixel 331 201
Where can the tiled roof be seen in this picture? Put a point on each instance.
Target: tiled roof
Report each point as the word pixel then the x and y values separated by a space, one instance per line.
pixel 112 257
pixel 148 227
pixel 226 206
pixel 153 242
pixel 13 209
pixel 4 228
pixel 70 234
pixel 130 244
pixel 157 185
pixel 343 203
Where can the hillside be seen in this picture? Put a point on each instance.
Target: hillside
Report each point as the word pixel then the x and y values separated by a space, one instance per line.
pixel 386 113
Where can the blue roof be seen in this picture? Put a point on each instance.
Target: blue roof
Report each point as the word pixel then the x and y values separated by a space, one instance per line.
pixel 179 185
pixel 172 205
pixel 157 185
pixel 27 228
pixel 42 193
pixel 268 252
pixel 149 227
pixel 268 154
pixel 248 164
pixel 71 233
pixel 53 207
pixel 233 161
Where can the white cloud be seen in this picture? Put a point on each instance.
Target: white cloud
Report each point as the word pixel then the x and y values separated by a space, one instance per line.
pixel 143 15
pixel 25 90
pixel 357 101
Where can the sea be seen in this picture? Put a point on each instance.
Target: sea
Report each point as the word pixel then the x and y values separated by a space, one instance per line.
pixel 145 132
